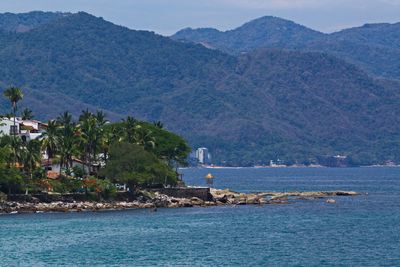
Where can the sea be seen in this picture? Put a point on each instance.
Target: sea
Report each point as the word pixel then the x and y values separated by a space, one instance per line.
pixel 356 231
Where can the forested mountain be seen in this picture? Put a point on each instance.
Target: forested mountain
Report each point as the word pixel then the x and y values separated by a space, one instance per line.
pixel 23 22
pixel 271 32
pixel 373 47
pixel 247 109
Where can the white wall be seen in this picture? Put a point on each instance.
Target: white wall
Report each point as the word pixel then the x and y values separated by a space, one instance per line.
pixel 5 125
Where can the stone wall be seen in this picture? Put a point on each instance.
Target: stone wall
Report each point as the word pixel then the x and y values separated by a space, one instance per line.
pixel 178 192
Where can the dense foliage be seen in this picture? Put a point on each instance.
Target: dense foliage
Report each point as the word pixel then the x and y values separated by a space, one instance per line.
pixel 373 47
pixel 133 165
pixel 129 152
pixel 23 22
pixel 247 109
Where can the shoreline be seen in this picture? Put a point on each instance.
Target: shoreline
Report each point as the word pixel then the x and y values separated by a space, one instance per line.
pixel 220 197
pixel 316 166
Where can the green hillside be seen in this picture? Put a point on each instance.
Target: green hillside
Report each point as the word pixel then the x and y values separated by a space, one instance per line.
pixel 248 109
pixel 373 47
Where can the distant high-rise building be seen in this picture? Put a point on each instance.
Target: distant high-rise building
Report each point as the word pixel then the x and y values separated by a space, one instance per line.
pixel 203 156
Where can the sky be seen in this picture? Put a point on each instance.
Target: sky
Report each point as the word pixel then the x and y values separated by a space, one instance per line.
pixel 168 16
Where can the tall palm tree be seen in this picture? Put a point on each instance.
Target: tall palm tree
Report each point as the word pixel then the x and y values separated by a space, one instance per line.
pixel 64 119
pixel 31 159
pixel 16 146
pixel 66 139
pixel 89 137
pixel 14 94
pixel 49 139
pixel 130 124
pixel 145 138
pixel 110 135
pixel 101 118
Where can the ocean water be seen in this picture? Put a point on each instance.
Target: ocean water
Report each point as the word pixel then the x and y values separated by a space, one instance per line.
pixel 359 231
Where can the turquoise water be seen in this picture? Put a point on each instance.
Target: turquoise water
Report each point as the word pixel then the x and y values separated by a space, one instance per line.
pixel 361 231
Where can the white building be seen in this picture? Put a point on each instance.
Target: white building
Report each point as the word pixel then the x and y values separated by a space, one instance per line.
pixel 203 156
pixel 26 129
pixel 7 126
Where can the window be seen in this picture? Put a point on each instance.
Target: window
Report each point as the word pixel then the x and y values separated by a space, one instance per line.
pixel 13 129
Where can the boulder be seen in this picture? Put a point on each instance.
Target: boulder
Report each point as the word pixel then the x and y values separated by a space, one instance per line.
pixel 195 201
pixel 331 201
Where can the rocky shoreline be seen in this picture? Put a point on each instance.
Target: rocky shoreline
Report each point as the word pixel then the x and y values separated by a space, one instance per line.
pixel 156 200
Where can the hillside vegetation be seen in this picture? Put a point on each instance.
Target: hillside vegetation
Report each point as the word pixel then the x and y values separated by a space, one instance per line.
pixel 373 47
pixel 248 109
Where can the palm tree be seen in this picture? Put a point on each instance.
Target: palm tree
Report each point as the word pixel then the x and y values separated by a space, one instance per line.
pixel 158 124
pixel 64 119
pixel 110 135
pixel 145 138
pixel 27 114
pixel 89 137
pixel 31 159
pixel 49 139
pixel 130 129
pixel 13 94
pixel 66 139
pixel 101 118
pixel 16 149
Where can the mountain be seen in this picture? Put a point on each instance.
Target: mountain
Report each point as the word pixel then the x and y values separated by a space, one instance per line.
pixel 248 109
pixel 23 22
pixel 373 47
pixel 265 32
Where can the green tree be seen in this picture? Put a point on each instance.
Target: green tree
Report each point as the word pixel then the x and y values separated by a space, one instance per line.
pixel 112 133
pixel 129 125
pixel 27 114
pixel 66 139
pixel 50 138
pixel 91 130
pixel 10 179
pixel 14 95
pixel 144 137
pixel 31 160
pixel 133 165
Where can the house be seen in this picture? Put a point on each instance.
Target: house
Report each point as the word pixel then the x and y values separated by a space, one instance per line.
pixel 26 129
pixel 32 129
pixel 52 168
pixel 7 126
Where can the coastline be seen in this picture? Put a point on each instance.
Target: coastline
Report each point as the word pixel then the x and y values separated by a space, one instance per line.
pixel 316 166
pixel 156 200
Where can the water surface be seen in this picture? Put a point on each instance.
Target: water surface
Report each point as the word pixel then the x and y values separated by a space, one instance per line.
pixel 360 231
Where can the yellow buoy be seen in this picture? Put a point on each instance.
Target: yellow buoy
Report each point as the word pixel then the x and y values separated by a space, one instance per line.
pixel 209 176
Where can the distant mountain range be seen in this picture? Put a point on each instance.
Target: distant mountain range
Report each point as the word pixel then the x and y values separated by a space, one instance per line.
pixel 373 47
pixel 282 98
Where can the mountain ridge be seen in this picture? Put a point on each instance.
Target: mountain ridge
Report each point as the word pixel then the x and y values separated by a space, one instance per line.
pixel 247 109
pixel 373 47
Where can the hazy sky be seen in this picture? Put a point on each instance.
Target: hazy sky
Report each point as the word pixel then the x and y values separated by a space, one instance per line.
pixel 168 16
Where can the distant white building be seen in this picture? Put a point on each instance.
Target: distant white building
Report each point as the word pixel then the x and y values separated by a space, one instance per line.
pixel 7 126
pixel 26 129
pixel 203 156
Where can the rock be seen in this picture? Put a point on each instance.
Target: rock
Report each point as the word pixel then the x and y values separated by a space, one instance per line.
pixel 223 199
pixel 185 203
pixel 331 201
pixel 148 205
pixel 262 201
pixel 196 201
pixel 173 205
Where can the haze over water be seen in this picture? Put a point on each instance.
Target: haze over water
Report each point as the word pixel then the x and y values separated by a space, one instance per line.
pixel 360 231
